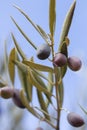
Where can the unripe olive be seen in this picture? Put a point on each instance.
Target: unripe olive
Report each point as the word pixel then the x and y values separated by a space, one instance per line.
pixel 75 119
pixel 59 60
pixel 6 92
pixel 74 63
pixel 17 100
pixel 39 128
pixel 43 51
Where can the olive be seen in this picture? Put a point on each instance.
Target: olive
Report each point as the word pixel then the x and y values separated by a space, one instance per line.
pixel 43 51
pixel 17 100
pixel 6 92
pixel 59 60
pixel 75 119
pixel 39 128
pixel 74 63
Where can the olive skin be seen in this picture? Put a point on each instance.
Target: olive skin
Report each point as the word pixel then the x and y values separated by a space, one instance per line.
pixel 75 119
pixel 39 128
pixel 43 51
pixel 6 92
pixel 74 63
pixel 17 100
pixel 59 60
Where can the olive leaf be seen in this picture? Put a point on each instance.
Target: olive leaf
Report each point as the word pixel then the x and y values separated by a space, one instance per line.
pixel 49 86
pixel 67 22
pixel 63 48
pixel 42 32
pixel 18 47
pixel 41 82
pixel 22 66
pixel 60 86
pixel 43 104
pixel 61 92
pixel 11 66
pixel 38 85
pixel 5 61
pixel 63 70
pixel 83 109
pixel 52 16
pixel 29 87
pixel 38 66
pixel 25 82
pixel 25 36
pixel 32 23
pixel 2 82
pixel 26 104
pixel 39 73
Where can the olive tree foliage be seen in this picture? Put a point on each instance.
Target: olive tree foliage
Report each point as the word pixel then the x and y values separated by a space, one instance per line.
pixel 47 81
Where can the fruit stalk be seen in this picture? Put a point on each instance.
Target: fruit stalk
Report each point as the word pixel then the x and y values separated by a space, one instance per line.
pixel 56 86
pixel 57 100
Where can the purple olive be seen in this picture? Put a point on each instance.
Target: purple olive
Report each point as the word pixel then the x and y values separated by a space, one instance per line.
pixel 43 51
pixel 59 60
pixel 74 63
pixel 75 119
pixel 39 128
pixel 16 99
pixel 6 92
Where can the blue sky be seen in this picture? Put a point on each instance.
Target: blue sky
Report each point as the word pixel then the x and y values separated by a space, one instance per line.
pixel 38 12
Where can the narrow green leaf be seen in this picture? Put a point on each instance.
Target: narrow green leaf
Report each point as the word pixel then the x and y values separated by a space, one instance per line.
pixel 43 104
pixel 63 70
pixel 25 82
pixel 38 66
pixel 42 32
pixel 25 36
pixel 5 58
pixel 52 16
pixel 41 82
pixel 63 48
pixel 43 76
pixel 26 104
pixel 18 48
pixel 67 22
pixel 49 86
pixel 29 87
pixel 22 66
pixel 32 23
pixel 61 92
pixel 38 85
pixel 2 82
pixel 11 66
pixel 60 86
pixel 83 109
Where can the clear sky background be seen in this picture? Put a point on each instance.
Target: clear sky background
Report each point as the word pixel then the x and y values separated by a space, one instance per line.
pixel 75 83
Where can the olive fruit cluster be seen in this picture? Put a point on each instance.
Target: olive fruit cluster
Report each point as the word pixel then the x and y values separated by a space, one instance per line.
pixel 75 119
pixel 73 63
pixel 8 92
pixel 43 51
